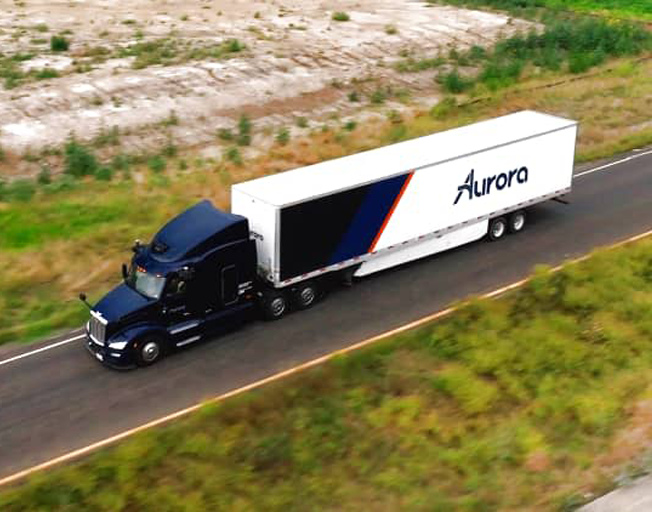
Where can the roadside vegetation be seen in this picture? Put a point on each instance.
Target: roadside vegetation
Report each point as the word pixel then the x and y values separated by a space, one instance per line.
pixel 501 406
pixel 565 45
pixel 629 9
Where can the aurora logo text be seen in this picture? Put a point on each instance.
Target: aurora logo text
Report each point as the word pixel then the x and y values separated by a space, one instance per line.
pixel 500 181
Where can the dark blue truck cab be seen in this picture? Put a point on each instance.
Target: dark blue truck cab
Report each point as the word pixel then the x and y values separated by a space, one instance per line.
pixel 196 277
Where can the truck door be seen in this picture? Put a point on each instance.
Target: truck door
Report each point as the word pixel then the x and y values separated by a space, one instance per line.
pixel 182 320
pixel 229 308
pixel 229 285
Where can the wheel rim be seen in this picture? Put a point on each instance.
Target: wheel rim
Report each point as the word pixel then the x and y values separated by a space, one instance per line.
pixel 518 222
pixel 498 229
pixel 277 306
pixel 150 351
pixel 307 296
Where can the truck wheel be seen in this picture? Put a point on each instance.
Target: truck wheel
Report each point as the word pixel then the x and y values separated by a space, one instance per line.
pixel 517 221
pixel 148 351
pixel 497 228
pixel 274 305
pixel 305 295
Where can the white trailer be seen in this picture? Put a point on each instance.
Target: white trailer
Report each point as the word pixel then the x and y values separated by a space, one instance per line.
pixel 380 208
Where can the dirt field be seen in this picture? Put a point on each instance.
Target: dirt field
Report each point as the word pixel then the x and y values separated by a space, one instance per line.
pixel 296 62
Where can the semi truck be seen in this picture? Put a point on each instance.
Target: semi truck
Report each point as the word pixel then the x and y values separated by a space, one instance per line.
pixel 292 235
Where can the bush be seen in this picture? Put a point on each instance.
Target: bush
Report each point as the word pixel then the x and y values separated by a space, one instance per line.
pixel 225 134
pixel 454 83
pixel 59 44
pixel 496 74
pixel 79 160
pixel 340 16
pixel 232 154
pixel 45 175
pixel 378 96
pixel 121 162
pixel 104 174
pixel 443 108
pixel 283 136
pixel 20 190
pixel 244 131
pixel 157 163
pixel 46 73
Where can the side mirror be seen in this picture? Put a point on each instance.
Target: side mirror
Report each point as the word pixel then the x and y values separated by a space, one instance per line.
pixel 125 274
pixel 137 246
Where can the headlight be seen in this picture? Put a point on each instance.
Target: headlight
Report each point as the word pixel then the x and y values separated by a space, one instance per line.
pixel 118 345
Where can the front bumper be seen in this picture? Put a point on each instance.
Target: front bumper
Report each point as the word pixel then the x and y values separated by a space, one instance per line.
pixel 111 358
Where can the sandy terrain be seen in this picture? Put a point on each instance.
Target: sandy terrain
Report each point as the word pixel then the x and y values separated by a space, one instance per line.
pixel 297 62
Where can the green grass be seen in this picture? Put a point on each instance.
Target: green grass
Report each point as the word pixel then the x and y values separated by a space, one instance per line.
pixel 501 406
pixel 630 9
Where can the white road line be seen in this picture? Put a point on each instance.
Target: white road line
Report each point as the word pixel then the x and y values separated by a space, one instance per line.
pixel 611 164
pixel 315 362
pixel 42 349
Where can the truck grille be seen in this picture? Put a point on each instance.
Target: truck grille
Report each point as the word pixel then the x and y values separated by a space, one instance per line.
pixel 97 328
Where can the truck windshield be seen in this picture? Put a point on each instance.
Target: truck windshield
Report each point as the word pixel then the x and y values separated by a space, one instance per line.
pixel 143 282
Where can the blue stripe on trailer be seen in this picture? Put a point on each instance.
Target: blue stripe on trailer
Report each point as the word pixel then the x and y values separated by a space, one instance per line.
pixel 369 219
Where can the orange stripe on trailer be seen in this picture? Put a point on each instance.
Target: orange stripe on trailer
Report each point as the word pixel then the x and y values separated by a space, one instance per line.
pixel 391 212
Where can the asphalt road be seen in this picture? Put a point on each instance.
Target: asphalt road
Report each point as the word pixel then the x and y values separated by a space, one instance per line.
pixel 62 399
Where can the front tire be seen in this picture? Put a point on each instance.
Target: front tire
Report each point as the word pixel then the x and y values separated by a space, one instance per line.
pixel 497 228
pixel 274 304
pixel 148 351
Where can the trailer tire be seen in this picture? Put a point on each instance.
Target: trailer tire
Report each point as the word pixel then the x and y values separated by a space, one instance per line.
pixel 497 228
pixel 274 304
pixel 148 351
pixel 517 221
pixel 305 295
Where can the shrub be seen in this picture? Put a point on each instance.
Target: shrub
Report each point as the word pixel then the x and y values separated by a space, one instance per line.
pixel 496 74
pixel 225 134
pixel 234 46
pixel 232 154
pixel 3 155
pixel 45 175
pixel 302 122
pixel 378 96
pixel 79 160
pixel 340 16
pixel 244 131
pixel 454 83
pixel 157 163
pixel 443 108
pixel 121 162
pixel 59 44
pixel 104 174
pixel 350 126
pixel 21 190
pixel 354 96
pixel 283 136
pixel 46 73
